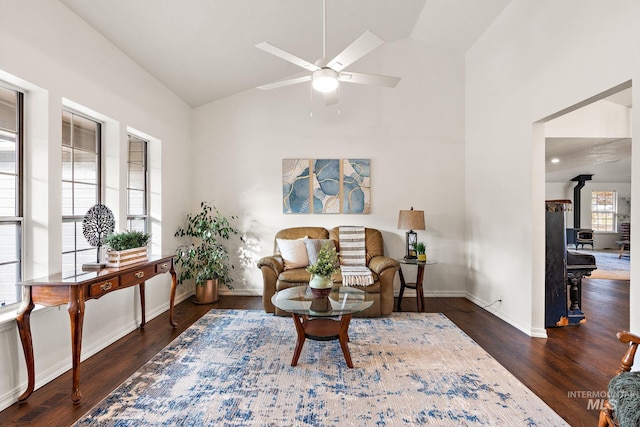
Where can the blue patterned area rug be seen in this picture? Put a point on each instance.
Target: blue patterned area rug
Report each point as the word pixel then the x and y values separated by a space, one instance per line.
pixel 608 260
pixel 610 267
pixel 232 368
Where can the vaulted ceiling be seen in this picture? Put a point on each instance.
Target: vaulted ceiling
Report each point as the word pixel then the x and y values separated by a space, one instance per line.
pixel 204 50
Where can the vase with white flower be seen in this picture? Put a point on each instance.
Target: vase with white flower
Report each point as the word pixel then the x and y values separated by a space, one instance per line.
pixel 321 271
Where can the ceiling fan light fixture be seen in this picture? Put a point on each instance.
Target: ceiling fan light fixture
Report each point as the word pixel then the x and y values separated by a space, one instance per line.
pixel 325 80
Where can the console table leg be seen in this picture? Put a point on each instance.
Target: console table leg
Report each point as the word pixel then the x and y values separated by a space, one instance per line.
pixel 24 327
pixel 76 317
pixel 172 297
pixel 142 305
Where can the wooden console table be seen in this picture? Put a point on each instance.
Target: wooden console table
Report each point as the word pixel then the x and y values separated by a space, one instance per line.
pixel 74 291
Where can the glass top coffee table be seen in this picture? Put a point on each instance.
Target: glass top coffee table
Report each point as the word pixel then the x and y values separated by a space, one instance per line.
pixel 315 316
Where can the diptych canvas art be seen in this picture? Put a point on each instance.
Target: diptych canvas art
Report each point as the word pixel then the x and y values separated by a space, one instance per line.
pixel 325 186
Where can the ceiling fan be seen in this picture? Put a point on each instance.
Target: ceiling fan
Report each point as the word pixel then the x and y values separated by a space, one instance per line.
pixel 326 74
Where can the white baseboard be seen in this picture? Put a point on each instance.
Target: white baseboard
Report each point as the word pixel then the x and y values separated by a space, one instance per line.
pixel 240 293
pixel 495 310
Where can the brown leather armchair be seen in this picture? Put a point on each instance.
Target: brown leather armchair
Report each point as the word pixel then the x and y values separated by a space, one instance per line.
pixel 276 278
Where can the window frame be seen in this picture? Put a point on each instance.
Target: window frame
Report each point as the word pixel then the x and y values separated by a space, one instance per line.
pixel 604 212
pixel 18 218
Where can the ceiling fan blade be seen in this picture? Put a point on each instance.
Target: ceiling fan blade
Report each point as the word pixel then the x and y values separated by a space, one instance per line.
pixel 283 83
pixel 356 50
pixel 331 98
pixel 274 50
pixel 368 79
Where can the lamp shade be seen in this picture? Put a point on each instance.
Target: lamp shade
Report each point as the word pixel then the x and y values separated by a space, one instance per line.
pixel 411 220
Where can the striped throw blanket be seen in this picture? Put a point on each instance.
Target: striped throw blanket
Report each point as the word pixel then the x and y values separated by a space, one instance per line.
pixel 353 263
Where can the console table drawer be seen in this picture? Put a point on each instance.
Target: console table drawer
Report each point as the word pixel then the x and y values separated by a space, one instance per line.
pixel 98 289
pixel 163 267
pixel 137 276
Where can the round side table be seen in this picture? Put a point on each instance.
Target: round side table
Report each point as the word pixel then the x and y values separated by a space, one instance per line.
pixel 417 285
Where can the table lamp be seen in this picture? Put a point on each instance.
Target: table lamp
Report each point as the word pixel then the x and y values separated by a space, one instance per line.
pixel 411 220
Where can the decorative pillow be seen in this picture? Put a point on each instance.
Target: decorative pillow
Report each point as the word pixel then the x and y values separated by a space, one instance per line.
pixel 314 246
pixel 294 253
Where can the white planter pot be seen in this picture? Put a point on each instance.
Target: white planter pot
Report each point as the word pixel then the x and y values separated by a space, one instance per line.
pixel 320 282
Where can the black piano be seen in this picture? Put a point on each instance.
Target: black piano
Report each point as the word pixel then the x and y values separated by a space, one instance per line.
pixel 579 265
pixel 564 270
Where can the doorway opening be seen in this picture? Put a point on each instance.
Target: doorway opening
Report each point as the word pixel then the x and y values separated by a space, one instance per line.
pixel 593 139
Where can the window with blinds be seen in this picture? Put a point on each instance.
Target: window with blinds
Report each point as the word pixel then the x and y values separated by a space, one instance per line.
pixel 11 198
pixel 80 186
pixel 137 194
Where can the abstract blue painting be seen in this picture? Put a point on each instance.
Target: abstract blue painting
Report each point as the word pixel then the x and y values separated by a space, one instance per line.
pixel 295 185
pixel 326 186
pixel 356 186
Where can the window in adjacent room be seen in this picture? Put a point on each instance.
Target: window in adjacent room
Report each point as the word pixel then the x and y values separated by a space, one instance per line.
pixel 80 185
pixel 137 199
pixel 603 210
pixel 11 197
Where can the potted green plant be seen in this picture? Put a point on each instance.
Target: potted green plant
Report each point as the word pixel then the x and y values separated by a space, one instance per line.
pixel 321 271
pixel 127 247
pixel 127 240
pixel 205 259
pixel 421 250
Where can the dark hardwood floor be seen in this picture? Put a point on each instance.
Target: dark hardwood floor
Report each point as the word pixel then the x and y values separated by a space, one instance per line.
pixel 572 363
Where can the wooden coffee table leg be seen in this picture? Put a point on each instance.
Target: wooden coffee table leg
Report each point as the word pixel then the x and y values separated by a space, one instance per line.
pixel 301 338
pixel 343 337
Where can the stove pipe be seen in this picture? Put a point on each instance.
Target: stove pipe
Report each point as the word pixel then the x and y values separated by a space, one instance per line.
pixel 581 179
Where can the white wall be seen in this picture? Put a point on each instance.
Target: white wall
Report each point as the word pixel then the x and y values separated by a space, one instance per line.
pixel 49 52
pixel 536 59
pixel 413 135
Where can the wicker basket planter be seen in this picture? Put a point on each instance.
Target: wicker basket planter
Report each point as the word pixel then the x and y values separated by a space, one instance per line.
pixel 126 257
